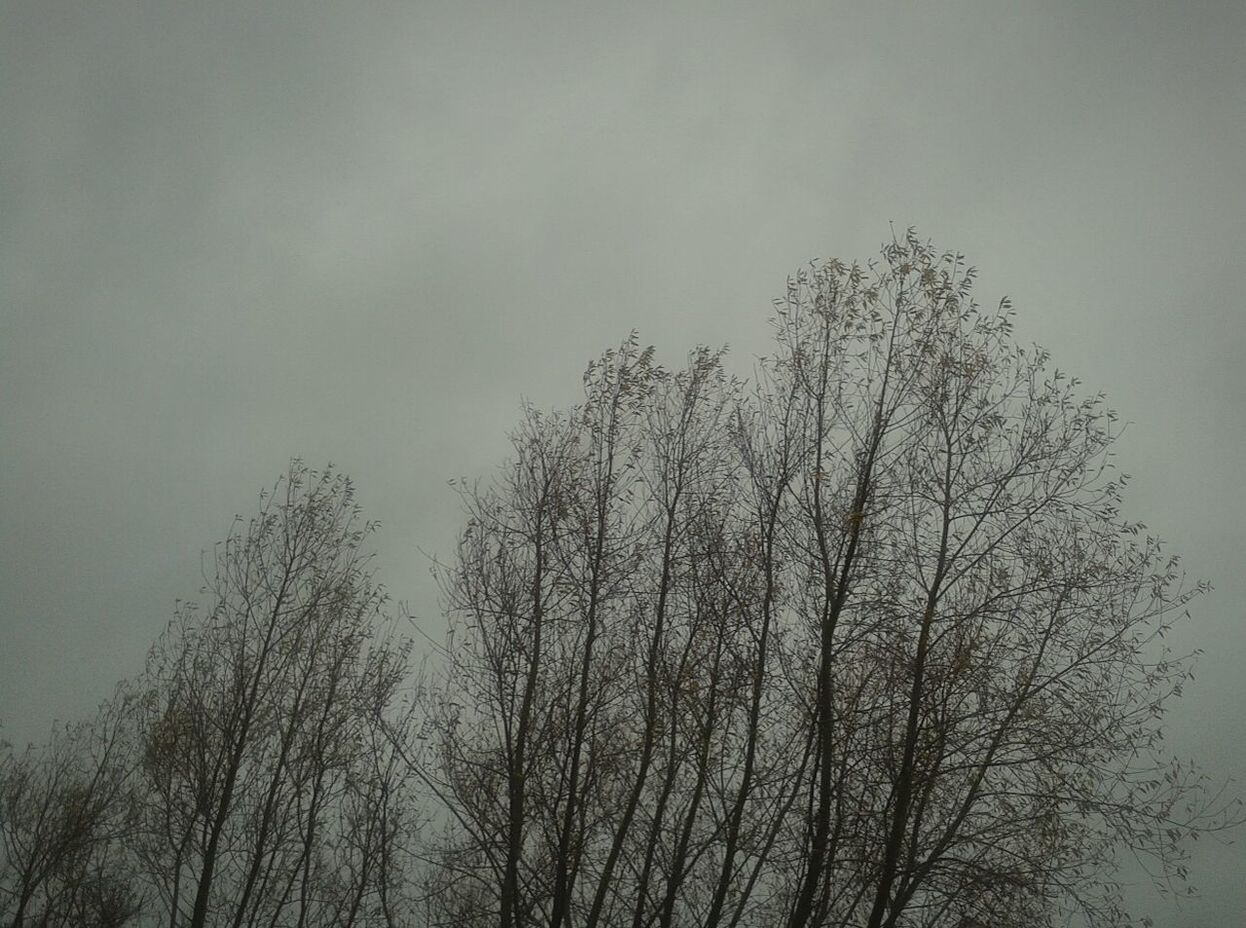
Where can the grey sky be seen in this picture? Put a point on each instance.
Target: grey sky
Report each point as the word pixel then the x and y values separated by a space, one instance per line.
pixel 233 232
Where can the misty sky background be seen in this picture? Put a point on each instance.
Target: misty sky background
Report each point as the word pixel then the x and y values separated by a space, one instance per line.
pixel 232 233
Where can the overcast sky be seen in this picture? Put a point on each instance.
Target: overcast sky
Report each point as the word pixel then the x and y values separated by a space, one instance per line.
pixel 234 232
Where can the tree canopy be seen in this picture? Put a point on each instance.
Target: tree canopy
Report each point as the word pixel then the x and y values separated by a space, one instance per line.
pixel 861 641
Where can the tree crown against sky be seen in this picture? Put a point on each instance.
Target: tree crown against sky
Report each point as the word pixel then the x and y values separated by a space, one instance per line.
pixel 864 640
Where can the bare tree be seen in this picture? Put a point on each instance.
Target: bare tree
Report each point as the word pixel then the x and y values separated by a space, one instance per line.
pixel 65 810
pixel 956 533
pixel 269 799
pixel 868 644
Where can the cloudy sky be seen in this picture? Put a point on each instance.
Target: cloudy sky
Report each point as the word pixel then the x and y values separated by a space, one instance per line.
pixel 234 232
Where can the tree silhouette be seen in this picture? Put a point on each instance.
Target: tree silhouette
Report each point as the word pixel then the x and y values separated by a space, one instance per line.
pixel 271 796
pixel 866 643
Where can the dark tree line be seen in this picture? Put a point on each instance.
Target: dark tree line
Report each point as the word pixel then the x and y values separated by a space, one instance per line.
pixel 863 641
